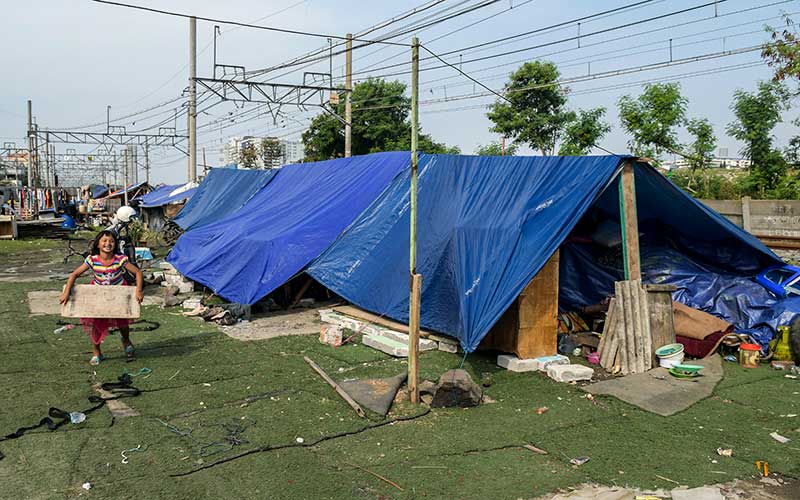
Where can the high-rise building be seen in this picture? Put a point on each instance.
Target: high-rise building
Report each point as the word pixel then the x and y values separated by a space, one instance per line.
pixel 290 152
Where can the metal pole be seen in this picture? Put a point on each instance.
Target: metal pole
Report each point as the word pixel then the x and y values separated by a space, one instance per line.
pixel 108 119
pixel 147 163
pixel 416 279
pixel 30 144
pixel 348 106
pixel 53 155
pixel 47 160
pixel 205 165
pixel 192 99
pixel 126 166
pixel 216 30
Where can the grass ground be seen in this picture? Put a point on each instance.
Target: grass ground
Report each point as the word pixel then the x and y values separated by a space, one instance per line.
pixel 205 382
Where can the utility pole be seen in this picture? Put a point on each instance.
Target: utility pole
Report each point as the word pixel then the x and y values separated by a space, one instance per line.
pixel 108 119
pixel 47 161
pixel 348 105
pixel 415 279
pixel 147 163
pixel 205 165
pixel 30 144
pixel 116 169
pixel 53 155
pixel 126 166
pixel 192 99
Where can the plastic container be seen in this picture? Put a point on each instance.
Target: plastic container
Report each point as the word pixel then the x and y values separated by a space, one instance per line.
pixel 670 355
pixel 748 355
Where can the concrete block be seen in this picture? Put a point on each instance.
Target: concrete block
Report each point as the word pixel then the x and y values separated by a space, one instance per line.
pixel 166 266
pixel 545 362
pixel 514 364
pixel 331 334
pixel 395 345
pixel 702 493
pixel 569 373
pixel 185 287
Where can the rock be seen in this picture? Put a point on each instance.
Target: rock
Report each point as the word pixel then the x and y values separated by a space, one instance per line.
pixel 514 364
pixel 170 290
pixel 569 373
pixel 172 300
pixel 456 388
pixel 427 387
pixel 307 303
pixel 426 398
pixel 448 347
pixel 702 493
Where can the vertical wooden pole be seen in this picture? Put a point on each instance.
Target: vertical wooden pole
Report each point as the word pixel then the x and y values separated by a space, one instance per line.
pixel 629 222
pixel 415 279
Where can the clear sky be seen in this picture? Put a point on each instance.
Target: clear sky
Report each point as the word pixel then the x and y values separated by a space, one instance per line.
pixel 75 57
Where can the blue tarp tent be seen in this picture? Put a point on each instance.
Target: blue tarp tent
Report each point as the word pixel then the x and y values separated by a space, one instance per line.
pixel 248 254
pixel 222 192
pixel 487 225
pixel 166 194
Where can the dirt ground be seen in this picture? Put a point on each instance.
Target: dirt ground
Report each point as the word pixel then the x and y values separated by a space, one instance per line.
pixel 276 324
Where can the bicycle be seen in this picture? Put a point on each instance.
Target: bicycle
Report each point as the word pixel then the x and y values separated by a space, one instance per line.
pixel 169 234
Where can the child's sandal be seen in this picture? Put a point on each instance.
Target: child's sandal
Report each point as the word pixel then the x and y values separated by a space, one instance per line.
pixel 130 352
pixel 95 360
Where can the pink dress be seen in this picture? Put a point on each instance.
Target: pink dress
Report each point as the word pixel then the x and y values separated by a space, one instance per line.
pixel 105 274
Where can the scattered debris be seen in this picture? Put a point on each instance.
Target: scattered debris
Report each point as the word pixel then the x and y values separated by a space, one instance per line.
pixel 777 437
pixel 702 493
pixel 541 410
pixel 126 458
pixel 77 417
pixel 375 394
pixel 763 468
pixel 456 388
pixel 725 452
pixel 87 486
pixel 300 440
pixel 578 461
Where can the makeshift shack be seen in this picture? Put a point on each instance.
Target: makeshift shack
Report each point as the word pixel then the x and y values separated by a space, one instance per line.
pixel 164 203
pixel 222 192
pixel 487 227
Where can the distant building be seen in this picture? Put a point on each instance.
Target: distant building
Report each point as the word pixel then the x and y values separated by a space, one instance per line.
pixel 291 152
pixel 722 160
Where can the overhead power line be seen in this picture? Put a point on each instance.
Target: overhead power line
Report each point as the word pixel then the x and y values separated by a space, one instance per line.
pixel 245 25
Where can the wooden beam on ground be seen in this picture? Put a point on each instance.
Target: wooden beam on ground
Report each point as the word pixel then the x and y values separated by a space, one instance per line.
pixel 355 406
pixel 363 315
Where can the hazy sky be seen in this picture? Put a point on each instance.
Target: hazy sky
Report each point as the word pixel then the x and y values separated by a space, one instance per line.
pixel 75 57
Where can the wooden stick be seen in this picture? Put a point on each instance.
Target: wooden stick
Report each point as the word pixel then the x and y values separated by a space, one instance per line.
pixel 413 338
pixel 534 449
pixel 648 334
pixel 299 296
pixel 376 475
pixel 336 387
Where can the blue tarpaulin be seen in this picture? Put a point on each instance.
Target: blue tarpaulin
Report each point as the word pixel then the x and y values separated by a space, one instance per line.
pixel 487 225
pixel 99 191
pixel 166 194
pixel 222 192
pixel 248 254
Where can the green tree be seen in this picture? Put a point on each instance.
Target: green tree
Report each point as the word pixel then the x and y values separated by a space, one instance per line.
pixel 271 152
pixel 756 114
pixel 652 118
pixel 705 142
pixel 583 132
pixel 248 155
pixel 496 149
pixel 783 54
pixel 380 123
pixel 535 112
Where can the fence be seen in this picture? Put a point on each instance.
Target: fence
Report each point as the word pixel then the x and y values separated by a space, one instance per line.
pixel 776 222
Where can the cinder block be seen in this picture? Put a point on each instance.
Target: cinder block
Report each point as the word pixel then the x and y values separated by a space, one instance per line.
pixel 331 334
pixel 569 373
pixel 185 287
pixel 514 364
pixel 166 266
pixel 546 362
pixel 395 345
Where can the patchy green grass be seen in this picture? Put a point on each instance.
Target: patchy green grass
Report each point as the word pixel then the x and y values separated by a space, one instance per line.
pixel 204 382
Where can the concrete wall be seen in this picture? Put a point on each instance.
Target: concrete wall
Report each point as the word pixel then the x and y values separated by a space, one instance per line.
pixel 767 218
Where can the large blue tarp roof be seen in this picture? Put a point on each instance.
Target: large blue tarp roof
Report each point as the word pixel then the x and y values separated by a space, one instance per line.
pixel 487 225
pixel 222 192
pixel 166 194
pixel 291 221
